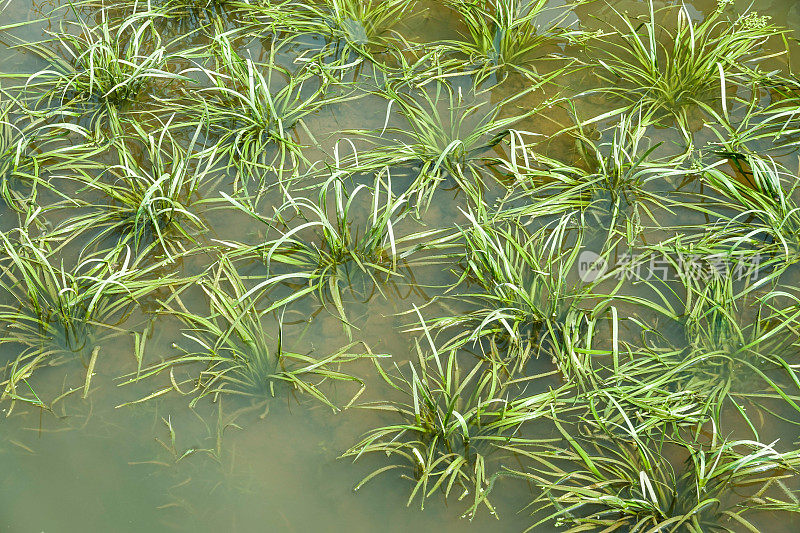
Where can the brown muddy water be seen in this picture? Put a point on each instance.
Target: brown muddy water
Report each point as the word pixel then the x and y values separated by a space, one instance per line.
pixel 102 463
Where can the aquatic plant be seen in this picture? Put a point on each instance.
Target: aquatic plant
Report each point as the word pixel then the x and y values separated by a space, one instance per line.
pixel 617 478
pixel 694 62
pixel 763 199
pixel 175 171
pixel 97 69
pixel 148 200
pixel 745 126
pixel 735 345
pixel 526 281
pixel 453 420
pixel 66 303
pixel 447 136
pixel 184 19
pixel 616 183
pixel 12 143
pixel 256 107
pixel 29 144
pixel 336 240
pixel 57 309
pixel 350 29
pixel 240 357
pixel 507 34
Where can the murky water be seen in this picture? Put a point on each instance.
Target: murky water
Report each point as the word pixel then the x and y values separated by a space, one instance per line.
pixel 95 464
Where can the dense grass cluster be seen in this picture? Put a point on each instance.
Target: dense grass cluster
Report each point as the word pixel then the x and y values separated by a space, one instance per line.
pixel 589 238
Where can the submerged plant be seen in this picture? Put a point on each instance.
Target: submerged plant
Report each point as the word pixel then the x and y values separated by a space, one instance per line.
pixel 109 64
pixel 697 62
pixel 240 357
pixel 618 479
pixel 507 34
pixel 454 422
pixel 335 241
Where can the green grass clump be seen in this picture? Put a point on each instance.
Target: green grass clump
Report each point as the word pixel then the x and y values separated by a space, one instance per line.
pixel 61 304
pixel 58 310
pixel 149 195
pixel 12 145
pixel 345 30
pixel 191 187
pixel 527 282
pixel 240 357
pixel 736 348
pixel 764 203
pixel 362 25
pixel 507 34
pixel 615 183
pixel 100 68
pixel 453 421
pixel 28 145
pixel 668 70
pixel 255 109
pixel 447 138
pixel 620 479
pixel 336 243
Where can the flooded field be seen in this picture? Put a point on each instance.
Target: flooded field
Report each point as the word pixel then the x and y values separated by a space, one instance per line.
pixel 402 265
